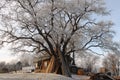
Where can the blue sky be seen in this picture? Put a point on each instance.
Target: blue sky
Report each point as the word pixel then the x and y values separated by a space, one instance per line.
pixel 113 5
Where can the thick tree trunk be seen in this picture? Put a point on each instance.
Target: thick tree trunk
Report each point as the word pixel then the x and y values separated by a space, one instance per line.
pixel 64 65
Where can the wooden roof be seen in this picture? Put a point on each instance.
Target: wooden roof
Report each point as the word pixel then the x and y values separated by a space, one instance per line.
pixel 36 59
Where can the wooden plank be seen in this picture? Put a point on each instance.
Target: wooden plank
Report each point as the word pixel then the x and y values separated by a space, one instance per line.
pixel 50 65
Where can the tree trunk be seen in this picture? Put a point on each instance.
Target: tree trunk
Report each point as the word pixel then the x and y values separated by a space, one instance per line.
pixel 64 65
pixel 73 59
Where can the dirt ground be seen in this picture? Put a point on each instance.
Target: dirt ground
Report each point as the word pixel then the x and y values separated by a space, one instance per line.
pixel 33 76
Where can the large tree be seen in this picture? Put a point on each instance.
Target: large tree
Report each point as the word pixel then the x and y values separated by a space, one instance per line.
pixel 55 27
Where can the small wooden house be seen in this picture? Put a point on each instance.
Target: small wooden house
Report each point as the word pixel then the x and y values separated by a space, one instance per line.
pixel 41 63
pixel 47 64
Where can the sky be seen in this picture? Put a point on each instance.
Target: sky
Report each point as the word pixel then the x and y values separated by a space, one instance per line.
pixel 6 55
pixel 113 5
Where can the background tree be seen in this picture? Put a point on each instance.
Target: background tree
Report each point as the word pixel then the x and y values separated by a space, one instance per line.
pixel 7 67
pixel 111 63
pixel 2 65
pixel 89 62
pixel 18 65
pixel 52 26
pixel 26 59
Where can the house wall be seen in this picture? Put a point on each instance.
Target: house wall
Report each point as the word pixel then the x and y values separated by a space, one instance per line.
pixel 28 69
pixel 44 65
pixel 41 66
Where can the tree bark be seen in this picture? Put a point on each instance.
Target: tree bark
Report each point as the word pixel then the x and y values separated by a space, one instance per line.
pixel 64 65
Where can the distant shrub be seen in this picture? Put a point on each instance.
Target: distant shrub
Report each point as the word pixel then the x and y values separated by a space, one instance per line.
pixel 4 70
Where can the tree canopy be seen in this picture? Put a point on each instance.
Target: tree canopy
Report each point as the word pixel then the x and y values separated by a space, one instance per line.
pixel 43 25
